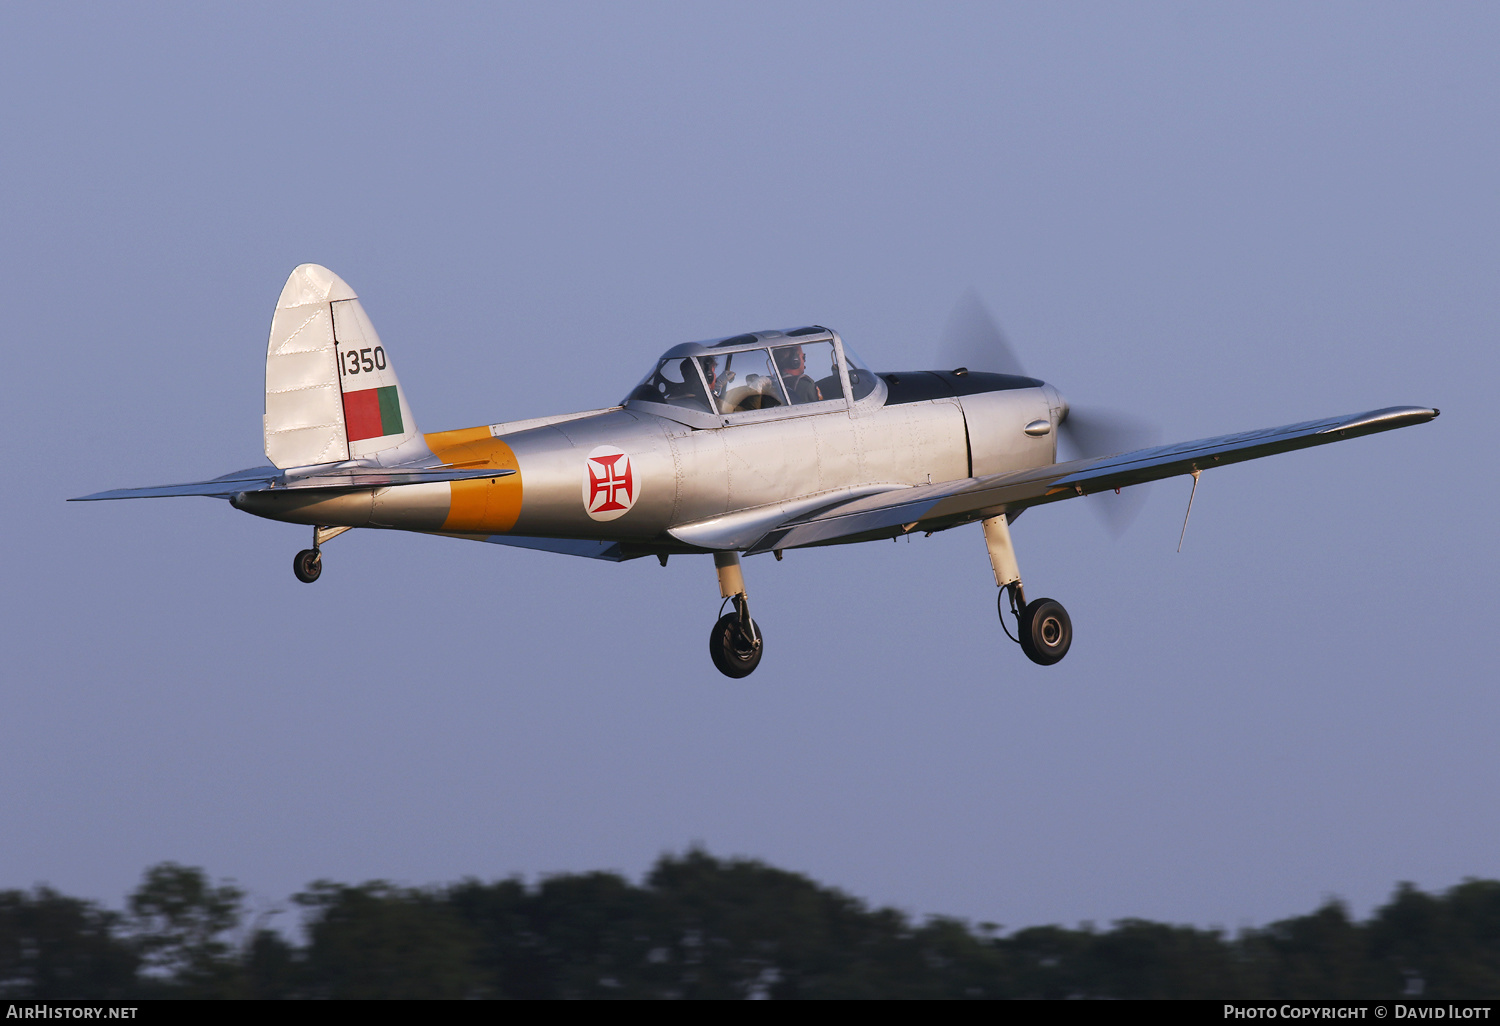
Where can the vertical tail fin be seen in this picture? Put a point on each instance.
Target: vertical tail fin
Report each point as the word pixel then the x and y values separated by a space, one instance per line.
pixel 331 391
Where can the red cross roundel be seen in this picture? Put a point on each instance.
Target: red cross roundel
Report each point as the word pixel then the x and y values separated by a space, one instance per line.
pixel 610 485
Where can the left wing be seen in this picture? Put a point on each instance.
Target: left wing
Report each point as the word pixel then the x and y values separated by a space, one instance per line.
pixel 939 506
pixel 335 477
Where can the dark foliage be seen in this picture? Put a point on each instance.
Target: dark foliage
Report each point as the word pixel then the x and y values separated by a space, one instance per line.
pixel 58 947
pixel 701 927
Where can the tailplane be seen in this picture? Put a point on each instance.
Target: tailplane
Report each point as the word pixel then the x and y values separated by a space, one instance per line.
pixel 331 391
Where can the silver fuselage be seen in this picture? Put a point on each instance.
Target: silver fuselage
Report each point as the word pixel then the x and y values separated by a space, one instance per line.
pixel 699 458
pixel 685 475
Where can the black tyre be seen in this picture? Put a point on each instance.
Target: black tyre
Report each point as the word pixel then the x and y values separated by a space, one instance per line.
pixel 307 565
pixel 735 651
pixel 1046 631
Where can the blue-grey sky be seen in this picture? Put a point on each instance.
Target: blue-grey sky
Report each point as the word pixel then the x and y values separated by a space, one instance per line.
pixel 1218 216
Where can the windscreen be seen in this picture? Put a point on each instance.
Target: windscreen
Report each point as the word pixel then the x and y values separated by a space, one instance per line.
pixel 675 383
pixel 861 379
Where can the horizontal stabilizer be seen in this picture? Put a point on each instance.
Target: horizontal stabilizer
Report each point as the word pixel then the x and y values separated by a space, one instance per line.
pixel 949 503
pixel 332 478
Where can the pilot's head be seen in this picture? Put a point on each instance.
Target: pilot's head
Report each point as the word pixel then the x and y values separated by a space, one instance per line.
pixel 710 365
pixel 791 360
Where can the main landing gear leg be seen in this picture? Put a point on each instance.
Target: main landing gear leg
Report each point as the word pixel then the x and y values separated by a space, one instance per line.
pixel 308 564
pixel 735 644
pixel 1046 632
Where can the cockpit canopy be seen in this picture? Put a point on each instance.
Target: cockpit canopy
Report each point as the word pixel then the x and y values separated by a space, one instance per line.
pixel 757 371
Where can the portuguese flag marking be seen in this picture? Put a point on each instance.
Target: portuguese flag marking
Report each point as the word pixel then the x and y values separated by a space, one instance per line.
pixel 372 413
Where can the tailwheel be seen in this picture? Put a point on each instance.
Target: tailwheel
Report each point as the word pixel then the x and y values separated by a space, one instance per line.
pixel 1046 631
pixel 307 565
pixel 735 643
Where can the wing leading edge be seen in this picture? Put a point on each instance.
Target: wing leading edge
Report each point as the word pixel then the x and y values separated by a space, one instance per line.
pixel 935 507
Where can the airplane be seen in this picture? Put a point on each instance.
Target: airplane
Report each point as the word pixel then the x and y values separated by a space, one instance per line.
pixel 730 447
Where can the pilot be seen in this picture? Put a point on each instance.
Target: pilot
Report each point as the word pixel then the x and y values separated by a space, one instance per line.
pixel 792 362
pixel 686 389
pixel 716 383
pixel 689 379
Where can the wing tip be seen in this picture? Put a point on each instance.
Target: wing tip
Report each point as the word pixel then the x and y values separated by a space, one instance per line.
pixel 1390 417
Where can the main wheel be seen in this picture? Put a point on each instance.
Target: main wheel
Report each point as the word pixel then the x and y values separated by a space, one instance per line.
pixel 735 651
pixel 307 565
pixel 1046 631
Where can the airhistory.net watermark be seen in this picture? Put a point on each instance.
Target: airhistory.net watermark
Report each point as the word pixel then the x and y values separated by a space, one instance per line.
pixel 38 1011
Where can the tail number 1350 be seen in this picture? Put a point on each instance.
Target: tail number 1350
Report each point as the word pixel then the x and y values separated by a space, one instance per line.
pixel 357 361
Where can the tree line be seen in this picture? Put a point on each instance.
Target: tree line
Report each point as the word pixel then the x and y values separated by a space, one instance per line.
pixel 703 927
